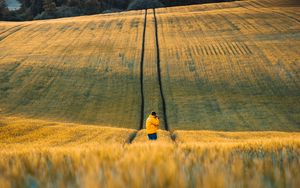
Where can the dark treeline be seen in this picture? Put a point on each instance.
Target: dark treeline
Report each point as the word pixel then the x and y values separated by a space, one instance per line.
pixel 47 9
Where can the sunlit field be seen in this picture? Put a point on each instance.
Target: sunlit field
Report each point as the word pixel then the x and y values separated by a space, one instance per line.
pixel 50 154
pixel 153 165
pixel 224 66
pixel 223 78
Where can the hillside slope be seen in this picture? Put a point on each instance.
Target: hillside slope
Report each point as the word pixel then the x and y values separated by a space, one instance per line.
pixel 224 66
pixel 232 66
pixel 79 70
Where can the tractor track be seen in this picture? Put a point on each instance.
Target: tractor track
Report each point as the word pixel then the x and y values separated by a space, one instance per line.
pixel 142 74
pixel 15 29
pixel 11 28
pixel 159 73
pixel 133 135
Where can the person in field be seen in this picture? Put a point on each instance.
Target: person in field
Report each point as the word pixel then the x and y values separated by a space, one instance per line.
pixel 152 124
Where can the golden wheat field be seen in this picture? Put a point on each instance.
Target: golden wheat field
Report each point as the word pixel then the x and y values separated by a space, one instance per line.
pixel 224 66
pixel 223 77
pixel 36 153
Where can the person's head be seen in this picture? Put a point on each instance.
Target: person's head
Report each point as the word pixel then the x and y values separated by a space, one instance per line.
pixel 153 113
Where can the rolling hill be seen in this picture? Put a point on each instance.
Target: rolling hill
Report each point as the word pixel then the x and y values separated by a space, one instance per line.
pixel 226 66
pixel 224 78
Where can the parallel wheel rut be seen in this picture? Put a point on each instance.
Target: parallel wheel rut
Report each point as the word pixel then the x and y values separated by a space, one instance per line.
pixel 132 136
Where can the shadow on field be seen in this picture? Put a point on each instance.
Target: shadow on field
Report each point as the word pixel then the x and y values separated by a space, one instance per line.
pixel 131 137
pixel 146 4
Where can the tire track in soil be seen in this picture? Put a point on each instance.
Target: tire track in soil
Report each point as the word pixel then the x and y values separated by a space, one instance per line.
pixel 19 27
pixel 159 73
pixel 142 73
pixel 132 135
pixel 167 128
pixel 11 28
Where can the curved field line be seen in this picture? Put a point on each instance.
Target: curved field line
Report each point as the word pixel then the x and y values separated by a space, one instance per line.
pixel 286 15
pixel 6 30
pixel 16 30
pixel 159 73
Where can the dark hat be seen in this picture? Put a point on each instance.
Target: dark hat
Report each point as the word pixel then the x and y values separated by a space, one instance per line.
pixel 153 113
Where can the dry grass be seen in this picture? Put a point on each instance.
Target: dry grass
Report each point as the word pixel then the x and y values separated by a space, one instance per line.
pixel 236 137
pixel 17 132
pixel 52 154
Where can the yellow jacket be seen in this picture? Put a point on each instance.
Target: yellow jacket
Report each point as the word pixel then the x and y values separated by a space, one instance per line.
pixel 152 124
